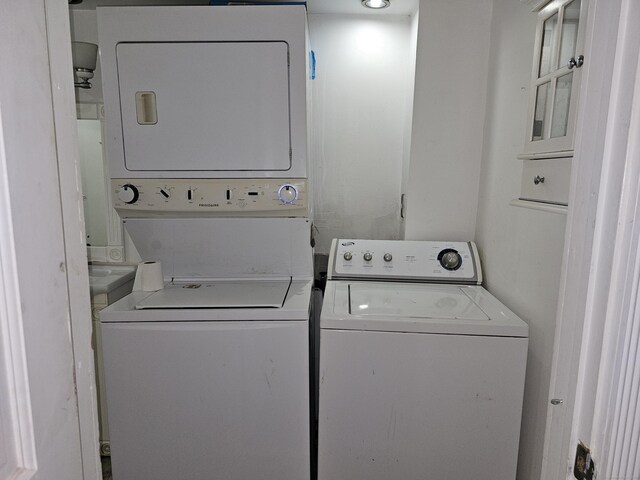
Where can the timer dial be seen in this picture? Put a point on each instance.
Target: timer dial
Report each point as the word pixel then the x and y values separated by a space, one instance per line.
pixel 450 259
pixel 129 194
pixel 287 194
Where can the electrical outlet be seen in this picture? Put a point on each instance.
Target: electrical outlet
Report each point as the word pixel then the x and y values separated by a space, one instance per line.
pixel 583 467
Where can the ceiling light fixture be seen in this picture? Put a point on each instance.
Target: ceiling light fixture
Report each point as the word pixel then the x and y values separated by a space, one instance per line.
pixel 85 56
pixel 376 3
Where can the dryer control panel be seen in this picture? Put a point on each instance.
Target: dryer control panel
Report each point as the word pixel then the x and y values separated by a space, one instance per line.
pixel 403 260
pixel 271 197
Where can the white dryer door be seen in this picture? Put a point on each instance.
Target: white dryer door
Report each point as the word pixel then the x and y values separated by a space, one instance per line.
pixel 205 106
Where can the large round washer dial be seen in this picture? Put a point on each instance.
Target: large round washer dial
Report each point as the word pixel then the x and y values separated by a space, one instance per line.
pixel 450 259
pixel 287 194
pixel 128 194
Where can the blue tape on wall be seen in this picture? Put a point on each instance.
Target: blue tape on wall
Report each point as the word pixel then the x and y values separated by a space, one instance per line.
pixel 312 64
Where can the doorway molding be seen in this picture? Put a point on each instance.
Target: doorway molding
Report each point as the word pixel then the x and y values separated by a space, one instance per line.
pixel 599 251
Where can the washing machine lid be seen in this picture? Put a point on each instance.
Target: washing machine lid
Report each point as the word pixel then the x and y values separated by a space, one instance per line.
pixel 419 308
pixel 413 301
pixel 247 293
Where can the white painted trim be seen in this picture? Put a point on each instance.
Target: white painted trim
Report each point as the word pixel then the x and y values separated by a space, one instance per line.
pixel 615 416
pixel 66 138
pixel 542 156
pixel 544 207
pixel 536 5
pixel 12 338
pixel 584 190
pixel 591 228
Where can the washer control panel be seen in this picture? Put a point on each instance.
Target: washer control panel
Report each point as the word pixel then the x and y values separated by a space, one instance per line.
pixel 251 197
pixel 400 260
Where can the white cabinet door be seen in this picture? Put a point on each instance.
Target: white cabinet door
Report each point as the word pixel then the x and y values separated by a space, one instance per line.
pixel 556 75
pixel 205 106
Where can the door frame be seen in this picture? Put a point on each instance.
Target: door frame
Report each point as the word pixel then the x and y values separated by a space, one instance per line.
pixel 17 429
pixel 64 110
pixel 47 355
pixel 590 291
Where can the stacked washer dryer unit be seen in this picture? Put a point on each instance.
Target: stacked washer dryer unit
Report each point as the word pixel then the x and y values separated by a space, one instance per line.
pixel 206 142
pixel 421 369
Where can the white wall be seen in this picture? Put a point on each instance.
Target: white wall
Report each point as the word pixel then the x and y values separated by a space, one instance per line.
pixel 411 77
pixel 360 113
pixel 521 249
pixel 448 119
pixel 93 181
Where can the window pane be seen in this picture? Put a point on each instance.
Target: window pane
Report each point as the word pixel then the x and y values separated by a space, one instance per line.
pixel 569 31
pixel 539 116
pixel 546 48
pixel 561 106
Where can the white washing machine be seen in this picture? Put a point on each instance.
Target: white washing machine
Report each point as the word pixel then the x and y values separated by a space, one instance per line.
pixel 209 376
pixel 421 369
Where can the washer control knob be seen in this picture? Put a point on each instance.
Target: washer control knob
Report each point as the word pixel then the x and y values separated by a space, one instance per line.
pixel 450 259
pixel 347 256
pixel 387 257
pixel 287 194
pixel 367 257
pixel 129 194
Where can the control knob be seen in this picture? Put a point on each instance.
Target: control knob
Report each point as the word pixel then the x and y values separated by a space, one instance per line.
pixel 129 194
pixel 450 259
pixel 287 194
pixel 387 257
pixel 367 257
pixel 347 256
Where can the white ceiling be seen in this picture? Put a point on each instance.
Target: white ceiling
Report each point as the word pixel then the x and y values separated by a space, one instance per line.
pixel 345 7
